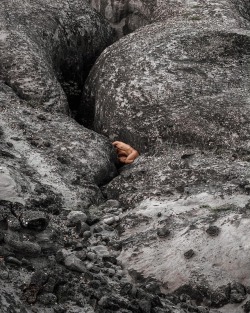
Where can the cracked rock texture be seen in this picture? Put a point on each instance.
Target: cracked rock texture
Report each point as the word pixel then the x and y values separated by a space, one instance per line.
pixel 166 234
pixel 178 91
pixel 45 43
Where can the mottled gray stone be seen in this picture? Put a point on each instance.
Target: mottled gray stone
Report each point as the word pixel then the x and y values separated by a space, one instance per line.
pixel 75 217
pixel 74 264
pixel 22 246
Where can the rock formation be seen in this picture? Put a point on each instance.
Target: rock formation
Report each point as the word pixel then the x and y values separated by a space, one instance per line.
pixel 167 233
pixel 178 91
pixel 46 43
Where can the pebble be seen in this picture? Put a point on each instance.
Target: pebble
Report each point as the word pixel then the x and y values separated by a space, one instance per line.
pixel 24 247
pixel 79 246
pixel 62 254
pixel 82 255
pixel 84 227
pixel 213 230
pixel 111 272
pixel 12 260
pixel 92 219
pixel 74 263
pixel 91 256
pixel 34 220
pixel 109 259
pixel 163 232
pixel 76 217
pixel 98 229
pixel 87 234
pixel 4 274
pixel 189 254
pixel 101 250
pixel 109 220
pixel 13 224
pixel 95 269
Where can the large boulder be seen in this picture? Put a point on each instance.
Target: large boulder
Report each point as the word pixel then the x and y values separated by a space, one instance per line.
pixel 128 15
pixel 40 150
pixel 177 82
pixel 44 43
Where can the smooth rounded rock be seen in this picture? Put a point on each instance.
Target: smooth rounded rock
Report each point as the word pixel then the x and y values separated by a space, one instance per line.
pixel 75 217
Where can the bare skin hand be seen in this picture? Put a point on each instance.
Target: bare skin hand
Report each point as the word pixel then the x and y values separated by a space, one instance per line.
pixel 126 154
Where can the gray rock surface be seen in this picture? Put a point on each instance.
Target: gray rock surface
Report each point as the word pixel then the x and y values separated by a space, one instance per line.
pixel 175 82
pixel 170 233
pixel 178 92
pixel 128 15
pixel 43 43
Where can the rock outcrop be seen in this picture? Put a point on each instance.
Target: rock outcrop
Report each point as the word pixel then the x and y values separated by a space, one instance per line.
pixel 128 15
pixel 177 82
pixel 178 91
pixel 170 232
pixel 125 15
pixel 46 43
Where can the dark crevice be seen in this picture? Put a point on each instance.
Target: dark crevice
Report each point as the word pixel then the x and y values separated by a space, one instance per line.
pixel 72 62
pixel 72 78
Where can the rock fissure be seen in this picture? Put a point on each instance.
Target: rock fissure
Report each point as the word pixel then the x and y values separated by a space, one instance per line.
pixel 170 233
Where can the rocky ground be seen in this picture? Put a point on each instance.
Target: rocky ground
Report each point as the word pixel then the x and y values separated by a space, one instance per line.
pixel 166 234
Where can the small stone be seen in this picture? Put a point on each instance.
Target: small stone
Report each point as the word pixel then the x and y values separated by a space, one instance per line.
pixel 116 245
pixel 159 214
pixel 79 246
pixel 82 255
pixel 47 144
pixel 109 259
pixel 84 227
pixel 12 260
pixel 61 255
pixel 47 299
pixel 98 229
pixel 145 306
pixel 237 293
pixel 213 230
pixel 117 218
pixel 100 250
pixel 24 247
pixel 87 234
pixel 163 232
pixel 189 254
pixel 95 269
pixel 76 217
pixel 109 220
pixel 112 203
pixel 75 264
pixel 13 224
pixel 120 273
pixel 34 220
pixel 4 275
pixel 92 219
pixel 41 117
pixel 111 272
pixel 91 256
